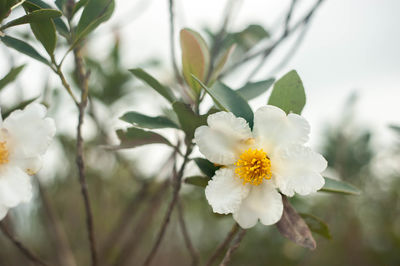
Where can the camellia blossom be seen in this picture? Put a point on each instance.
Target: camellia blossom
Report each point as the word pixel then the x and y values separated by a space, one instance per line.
pixel 256 164
pixel 24 136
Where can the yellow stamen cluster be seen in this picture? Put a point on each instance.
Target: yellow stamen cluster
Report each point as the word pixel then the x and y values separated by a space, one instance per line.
pixel 253 166
pixel 3 153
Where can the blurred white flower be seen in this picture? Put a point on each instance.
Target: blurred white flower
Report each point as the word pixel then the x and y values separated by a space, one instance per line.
pixel 257 163
pixel 24 138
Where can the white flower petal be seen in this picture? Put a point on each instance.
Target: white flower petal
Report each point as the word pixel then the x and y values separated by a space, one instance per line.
pixel 263 202
pixel 29 131
pixel 272 127
pixel 296 169
pixel 15 186
pixel 225 191
pixel 3 212
pixel 29 165
pixel 223 138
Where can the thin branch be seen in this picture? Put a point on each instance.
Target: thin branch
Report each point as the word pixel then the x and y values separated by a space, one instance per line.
pixel 193 252
pixel 172 41
pixel 177 186
pixel 233 248
pixel 83 78
pixel 64 82
pixel 221 248
pixel 267 51
pixel 24 250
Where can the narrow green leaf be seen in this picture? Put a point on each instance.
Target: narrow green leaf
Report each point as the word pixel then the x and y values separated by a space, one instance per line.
pixel 206 167
pixel 24 48
pixel 135 137
pixel 60 4
pixel 36 16
pixel 254 89
pixel 6 6
pixel 60 25
pixel 220 64
pixel 293 227
pixel 199 181
pixel 288 93
pixel 94 13
pixel 78 6
pixel 195 58
pixel 152 82
pixel 151 122
pixel 316 225
pixel 11 76
pixel 395 128
pixel 188 120
pixel 336 186
pixel 18 107
pixel 44 30
pixel 250 36
pixel 229 100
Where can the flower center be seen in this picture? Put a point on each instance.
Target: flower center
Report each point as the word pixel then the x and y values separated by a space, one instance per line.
pixel 253 166
pixel 3 153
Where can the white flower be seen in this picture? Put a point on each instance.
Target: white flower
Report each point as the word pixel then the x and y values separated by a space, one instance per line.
pixel 24 137
pixel 256 164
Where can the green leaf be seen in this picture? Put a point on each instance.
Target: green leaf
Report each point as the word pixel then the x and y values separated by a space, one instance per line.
pixel 6 6
pixel 207 167
pixel 199 181
pixel 152 82
pixel 60 25
pixel 35 16
pixel 135 137
pixel 336 186
pixel 150 122
pixel 229 100
pixel 60 4
pixel 78 6
pixel 44 30
pixel 195 58
pixel 94 13
pixel 24 48
pixel 316 225
pixel 18 107
pixel 288 93
pixel 188 120
pixel 293 227
pixel 220 64
pixel 249 37
pixel 11 76
pixel 254 89
pixel 395 128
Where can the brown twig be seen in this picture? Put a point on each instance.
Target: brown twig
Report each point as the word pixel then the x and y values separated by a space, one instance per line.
pixel 223 245
pixel 267 51
pixel 188 242
pixel 83 78
pixel 24 250
pixel 233 248
pixel 175 196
